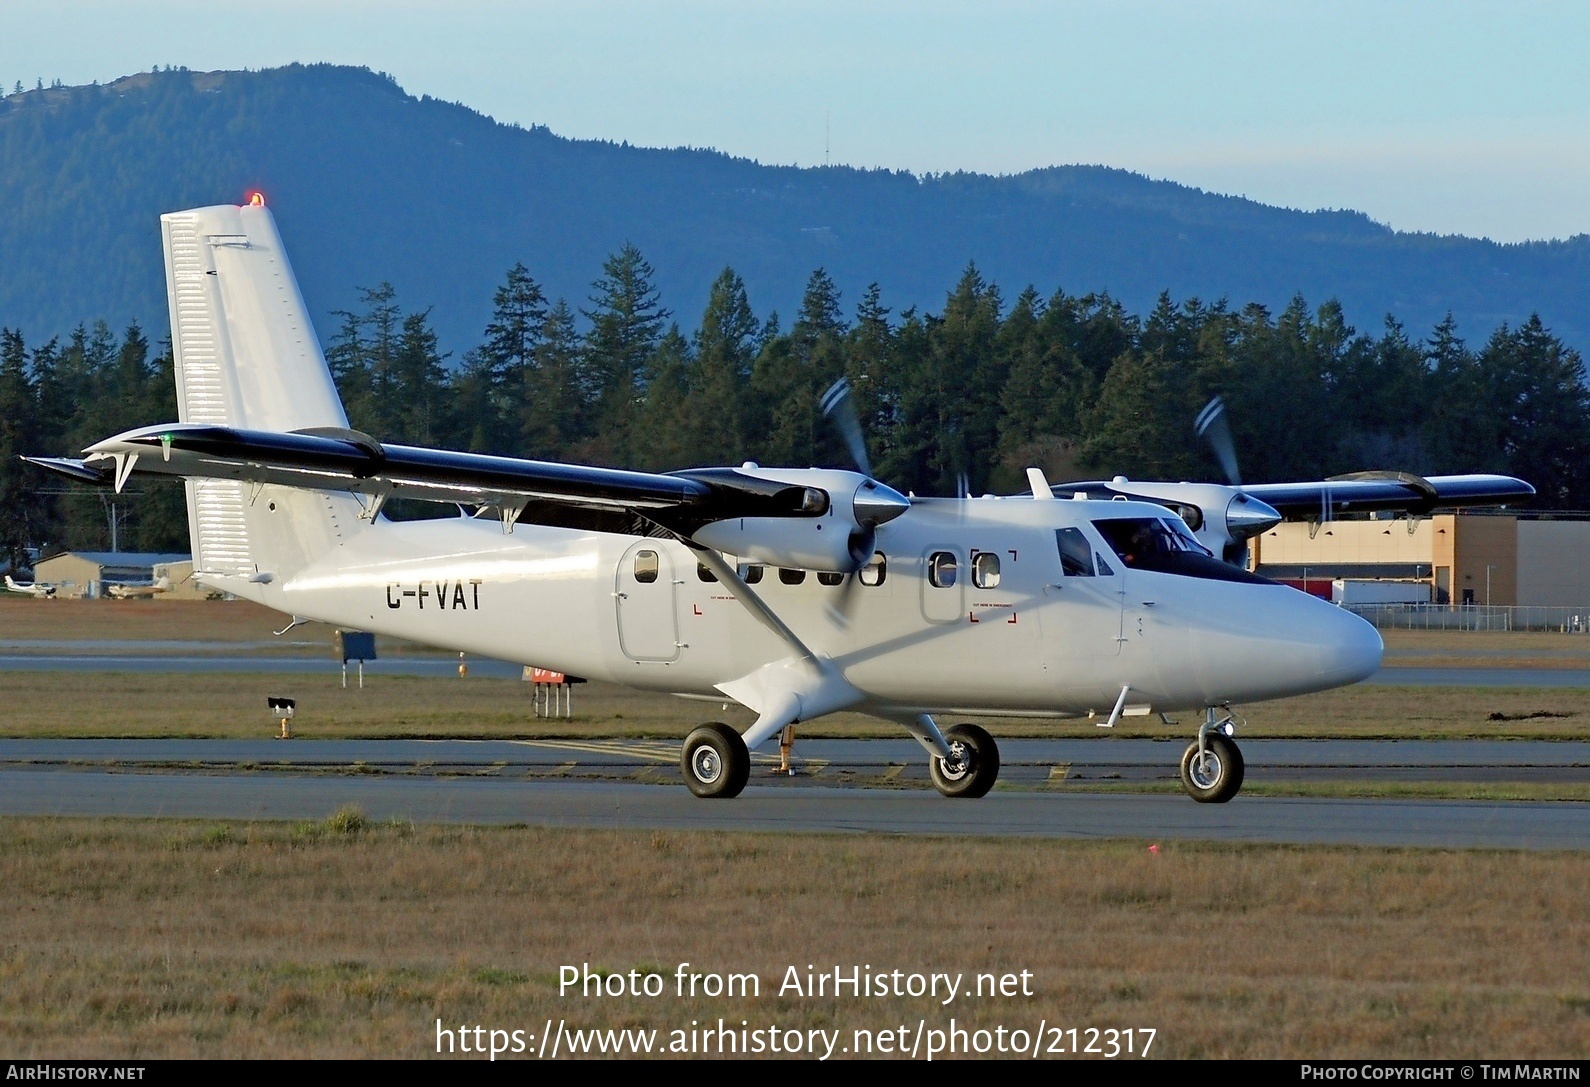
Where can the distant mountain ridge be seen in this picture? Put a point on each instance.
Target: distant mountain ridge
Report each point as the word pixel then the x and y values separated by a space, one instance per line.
pixel 372 184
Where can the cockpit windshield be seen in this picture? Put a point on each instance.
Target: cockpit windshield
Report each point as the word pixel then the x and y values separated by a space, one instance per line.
pixel 1141 541
pixel 1166 545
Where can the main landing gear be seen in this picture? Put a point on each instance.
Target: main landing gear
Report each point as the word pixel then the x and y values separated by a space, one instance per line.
pixel 715 761
pixel 973 767
pixel 1211 767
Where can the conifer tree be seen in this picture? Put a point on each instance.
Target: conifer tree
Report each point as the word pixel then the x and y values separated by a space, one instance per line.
pixel 507 358
pixel 626 320
pixel 553 412
pixel 723 352
pixel 662 418
pixel 20 519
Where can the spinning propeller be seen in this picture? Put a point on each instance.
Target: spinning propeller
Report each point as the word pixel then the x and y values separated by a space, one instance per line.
pixel 839 406
pixel 874 502
pixel 1211 425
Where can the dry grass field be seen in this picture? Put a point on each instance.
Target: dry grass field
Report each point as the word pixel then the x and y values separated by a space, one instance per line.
pixel 64 704
pixel 1490 649
pixel 218 626
pixel 151 938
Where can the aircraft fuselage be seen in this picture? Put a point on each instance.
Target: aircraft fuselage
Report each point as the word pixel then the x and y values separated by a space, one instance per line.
pixel 974 612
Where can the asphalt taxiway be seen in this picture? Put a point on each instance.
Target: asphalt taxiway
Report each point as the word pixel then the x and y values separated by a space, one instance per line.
pixel 619 805
pixel 1024 762
pixel 635 784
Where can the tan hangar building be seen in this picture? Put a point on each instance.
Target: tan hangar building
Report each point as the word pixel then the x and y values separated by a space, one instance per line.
pixel 1503 560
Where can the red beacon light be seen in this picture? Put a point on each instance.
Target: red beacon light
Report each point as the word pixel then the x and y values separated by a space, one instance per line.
pixel 256 199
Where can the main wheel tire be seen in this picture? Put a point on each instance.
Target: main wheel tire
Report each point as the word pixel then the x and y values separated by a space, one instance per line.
pixel 715 761
pixel 1218 776
pixel 976 768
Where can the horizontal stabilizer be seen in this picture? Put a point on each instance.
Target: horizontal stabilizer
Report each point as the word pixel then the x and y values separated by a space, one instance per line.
pixel 99 474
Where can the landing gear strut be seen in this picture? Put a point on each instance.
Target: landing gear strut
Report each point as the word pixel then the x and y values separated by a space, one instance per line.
pixel 974 767
pixel 1212 767
pixel 715 761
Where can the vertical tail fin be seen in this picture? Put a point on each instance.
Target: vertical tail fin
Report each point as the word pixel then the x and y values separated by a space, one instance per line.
pixel 245 349
pixel 246 356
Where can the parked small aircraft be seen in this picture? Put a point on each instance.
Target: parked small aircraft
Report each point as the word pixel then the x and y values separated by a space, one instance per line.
pixel 796 592
pixel 139 590
pixel 33 588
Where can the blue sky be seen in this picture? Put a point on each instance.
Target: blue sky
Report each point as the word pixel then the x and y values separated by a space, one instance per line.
pixel 1454 117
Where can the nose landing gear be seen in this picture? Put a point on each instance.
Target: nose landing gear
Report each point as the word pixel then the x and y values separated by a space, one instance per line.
pixel 1212 767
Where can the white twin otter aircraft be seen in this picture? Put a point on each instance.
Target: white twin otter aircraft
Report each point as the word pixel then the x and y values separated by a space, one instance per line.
pixel 796 592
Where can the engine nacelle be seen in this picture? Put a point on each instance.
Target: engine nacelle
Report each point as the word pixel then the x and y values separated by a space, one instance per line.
pixel 840 540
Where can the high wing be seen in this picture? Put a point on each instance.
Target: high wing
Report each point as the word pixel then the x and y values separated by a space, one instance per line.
pixel 541 492
pixel 1226 516
pixel 1364 492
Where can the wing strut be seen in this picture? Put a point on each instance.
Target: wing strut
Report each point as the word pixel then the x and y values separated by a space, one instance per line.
pixel 748 597
pixel 782 692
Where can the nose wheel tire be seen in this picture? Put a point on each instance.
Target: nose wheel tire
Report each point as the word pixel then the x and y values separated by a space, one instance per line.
pixel 715 761
pixel 975 767
pixel 1216 777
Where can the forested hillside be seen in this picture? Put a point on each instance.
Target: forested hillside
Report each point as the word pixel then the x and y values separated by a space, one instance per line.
pixel 371 185
pixel 985 384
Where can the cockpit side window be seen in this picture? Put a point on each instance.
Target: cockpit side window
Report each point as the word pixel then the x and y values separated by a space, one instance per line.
pixel 1076 554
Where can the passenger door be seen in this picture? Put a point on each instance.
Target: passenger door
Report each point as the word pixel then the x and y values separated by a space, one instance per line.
pixel 648 626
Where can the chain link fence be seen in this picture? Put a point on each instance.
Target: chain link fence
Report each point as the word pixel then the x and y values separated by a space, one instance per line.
pixel 1560 619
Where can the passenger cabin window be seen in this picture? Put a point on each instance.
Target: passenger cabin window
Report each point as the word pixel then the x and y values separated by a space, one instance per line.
pixel 942 569
pixel 645 567
pixel 1076 554
pixel 875 571
pixel 703 574
pixel 753 574
pixel 791 577
pixel 985 570
pixel 825 577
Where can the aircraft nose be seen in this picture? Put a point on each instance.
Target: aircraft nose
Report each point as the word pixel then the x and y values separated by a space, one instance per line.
pixel 1350 649
pixel 1283 643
